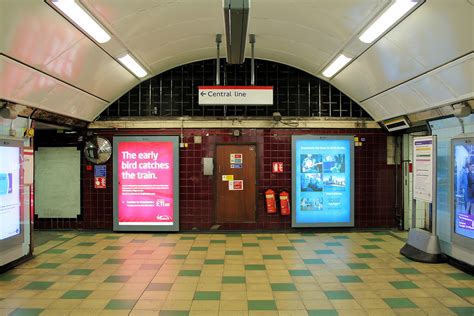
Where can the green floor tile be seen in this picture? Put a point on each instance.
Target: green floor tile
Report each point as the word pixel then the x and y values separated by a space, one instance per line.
pixel 115 261
pixel 167 244
pixel 338 295
pixel 207 296
pixel 87 234
pixel 463 311
pixel 81 272
pixel 187 238
pixel 264 238
pixel 365 255
pixel 83 256
pixel 159 287
pixel 7 277
pixel 76 294
pixel 399 303
pixel 120 304
pixel 233 235
pixel 461 276
pixel 375 239
pixel 199 248
pixel 191 273
pixel 48 265
pixel 370 247
pixel 113 248
pixel 177 256
pixel 55 251
pixel 233 279
pixel 380 233
pixel 63 238
pixel 117 279
pixel 234 253
pixel 324 252
pixel 278 287
pixel 340 237
pixel 250 244
pixel 349 279
pixel 286 248
pixel 255 267
pixel 37 285
pixel 358 266
pixel 262 305
pixel 313 261
pixel 271 257
pixel 403 285
pixel 322 312
pixel 297 273
pixel 26 312
pixel 407 270
pixel 112 237
pixel 405 259
pixel 463 291
pixel 174 313
pixel 86 244
pixel 333 244
pixel 213 261
pixel 297 241
pixel 218 241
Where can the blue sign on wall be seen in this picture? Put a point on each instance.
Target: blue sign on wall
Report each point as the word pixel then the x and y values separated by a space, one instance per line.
pixel 323 181
pixel 100 171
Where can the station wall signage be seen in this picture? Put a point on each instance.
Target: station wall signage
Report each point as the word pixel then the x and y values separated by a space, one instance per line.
pixel 235 95
pixel 146 195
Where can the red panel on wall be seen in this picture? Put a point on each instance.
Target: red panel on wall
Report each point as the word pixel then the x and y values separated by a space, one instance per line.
pixel 374 180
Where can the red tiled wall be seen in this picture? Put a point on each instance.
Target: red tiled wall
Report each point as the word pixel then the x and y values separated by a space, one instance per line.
pixel 374 180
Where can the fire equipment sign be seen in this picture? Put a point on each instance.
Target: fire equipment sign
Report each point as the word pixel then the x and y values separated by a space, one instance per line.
pixel 236 185
pixel 277 167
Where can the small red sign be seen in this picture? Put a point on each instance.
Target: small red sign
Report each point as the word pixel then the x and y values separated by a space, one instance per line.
pixel 277 167
pixel 89 168
pixel 99 183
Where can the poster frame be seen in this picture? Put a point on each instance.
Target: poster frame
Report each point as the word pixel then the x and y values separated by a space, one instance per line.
pixel 117 139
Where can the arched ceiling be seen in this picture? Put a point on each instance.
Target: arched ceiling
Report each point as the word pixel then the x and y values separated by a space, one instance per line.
pixel 425 61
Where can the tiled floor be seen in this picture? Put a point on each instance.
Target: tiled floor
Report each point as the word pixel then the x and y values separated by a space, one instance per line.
pixel 233 274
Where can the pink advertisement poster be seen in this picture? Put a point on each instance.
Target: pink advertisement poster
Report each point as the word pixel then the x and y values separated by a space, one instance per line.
pixel 145 183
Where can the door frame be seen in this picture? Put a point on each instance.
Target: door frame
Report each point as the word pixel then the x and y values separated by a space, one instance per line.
pixel 257 169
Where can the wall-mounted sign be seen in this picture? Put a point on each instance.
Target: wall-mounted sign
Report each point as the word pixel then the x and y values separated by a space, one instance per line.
pixel 236 185
pixel 423 167
pixel 323 181
pixel 100 170
pixel 146 195
pixel 235 95
pixel 277 167
pixel 227 177
pixel 235 165
pixel 100 183
pixel 236 158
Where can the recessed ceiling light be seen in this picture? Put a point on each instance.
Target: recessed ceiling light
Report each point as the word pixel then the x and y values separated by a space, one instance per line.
pixel 132 65
pixel 336 65
pixel 387 19
pixel 77 14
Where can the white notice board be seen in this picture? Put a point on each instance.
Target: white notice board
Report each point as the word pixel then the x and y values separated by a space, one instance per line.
pixel 424 167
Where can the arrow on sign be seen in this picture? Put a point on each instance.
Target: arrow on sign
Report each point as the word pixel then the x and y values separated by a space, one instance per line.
pixel 203 93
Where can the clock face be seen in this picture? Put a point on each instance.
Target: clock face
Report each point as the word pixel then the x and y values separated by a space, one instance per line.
pixel 98 150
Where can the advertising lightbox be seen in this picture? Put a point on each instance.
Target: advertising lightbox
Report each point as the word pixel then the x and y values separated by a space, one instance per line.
pixel 322 181
pixel 146 187
pixel 463 191
pixel 11 184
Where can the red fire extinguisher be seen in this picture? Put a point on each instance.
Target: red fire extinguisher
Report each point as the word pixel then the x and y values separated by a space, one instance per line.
pixel 270 201
pixel 284 203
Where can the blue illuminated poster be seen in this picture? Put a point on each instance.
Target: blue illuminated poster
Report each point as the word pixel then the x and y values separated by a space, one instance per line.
pixel 322 181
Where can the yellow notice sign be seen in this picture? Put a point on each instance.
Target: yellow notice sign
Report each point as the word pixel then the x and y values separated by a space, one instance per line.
pixel 227 177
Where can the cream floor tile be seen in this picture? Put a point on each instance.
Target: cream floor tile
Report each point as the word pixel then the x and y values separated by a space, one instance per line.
pixel 351 312
pixel 93 304
pixel 144 304
pixel 317 304
pixel 233 305
pixel 178 305
pixel 372 303
pixel 143 312
pixel 259 295
pixel 233 295
pixel 380 312
pixel 346 304
pixel 56 312
pixel 88 312
pixel 289 304
pixel 205 306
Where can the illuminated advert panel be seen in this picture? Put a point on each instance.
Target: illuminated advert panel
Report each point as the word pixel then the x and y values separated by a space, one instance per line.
pixel 463 191
pixel 146 187
pixel 323 181
pixel 11 192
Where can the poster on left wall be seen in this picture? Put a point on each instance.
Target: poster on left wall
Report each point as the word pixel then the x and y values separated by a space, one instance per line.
pixel 146 187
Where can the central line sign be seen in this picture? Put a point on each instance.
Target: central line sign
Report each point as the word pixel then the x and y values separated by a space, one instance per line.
pixel 235 95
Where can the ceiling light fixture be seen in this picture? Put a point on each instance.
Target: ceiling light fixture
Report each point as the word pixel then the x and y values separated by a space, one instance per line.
pixel 132 65
pixel 336 65
pixel 79 16
pixel 387 19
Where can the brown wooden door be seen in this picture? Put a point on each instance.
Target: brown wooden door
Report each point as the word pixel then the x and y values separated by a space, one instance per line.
pixel 232 204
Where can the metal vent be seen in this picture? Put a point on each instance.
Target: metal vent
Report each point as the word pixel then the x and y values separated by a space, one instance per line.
pixel 236 14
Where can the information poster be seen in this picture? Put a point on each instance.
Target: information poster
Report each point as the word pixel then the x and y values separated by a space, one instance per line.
pixel 322 173
pixel 423 167
pixel 9 192
pixel 463 181
pixel 146 185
